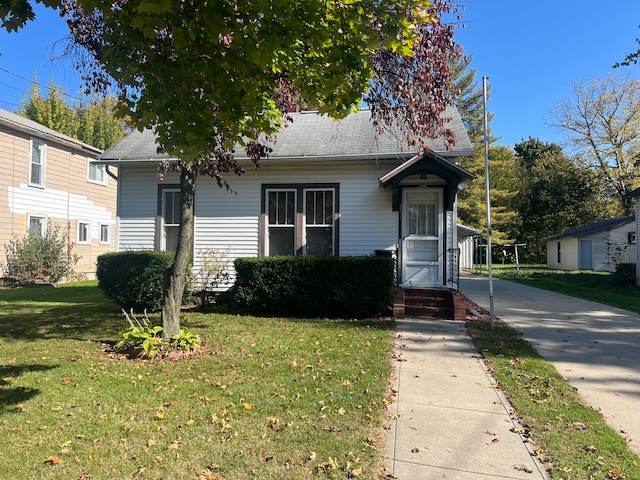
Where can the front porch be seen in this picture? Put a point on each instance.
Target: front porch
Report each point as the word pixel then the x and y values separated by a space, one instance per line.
pixel 429 303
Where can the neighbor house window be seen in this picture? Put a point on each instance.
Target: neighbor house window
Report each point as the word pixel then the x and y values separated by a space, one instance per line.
pixel 84 233
pixel 96 172
pixel 631 238
pixel 559 243
pixel 169 216
pixel 36 224
pixel 105 234
pixel 300 219
pixel 36 163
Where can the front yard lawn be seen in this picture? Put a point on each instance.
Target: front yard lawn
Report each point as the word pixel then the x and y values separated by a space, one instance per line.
pixel 267 398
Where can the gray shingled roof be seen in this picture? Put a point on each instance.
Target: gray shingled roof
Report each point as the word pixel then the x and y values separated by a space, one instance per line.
pixel 16 122
pixel 634 193
pixel 594 227
pixel 313 136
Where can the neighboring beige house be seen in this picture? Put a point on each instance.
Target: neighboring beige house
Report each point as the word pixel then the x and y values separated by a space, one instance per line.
pixel 47 176
pixel 599 246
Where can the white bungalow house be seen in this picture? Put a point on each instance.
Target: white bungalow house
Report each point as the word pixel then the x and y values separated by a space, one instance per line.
pixel 328 188
pixel 599 246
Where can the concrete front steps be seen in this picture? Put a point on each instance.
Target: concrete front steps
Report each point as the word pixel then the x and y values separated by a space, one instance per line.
pixel 429 303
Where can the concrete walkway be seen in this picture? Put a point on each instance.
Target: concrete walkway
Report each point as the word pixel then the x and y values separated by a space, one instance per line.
pixel 448 420
pixel 596 347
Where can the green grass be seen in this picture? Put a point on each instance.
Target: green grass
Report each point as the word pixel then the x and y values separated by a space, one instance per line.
pixel 590 285
pixel 268 398
pixel 572 439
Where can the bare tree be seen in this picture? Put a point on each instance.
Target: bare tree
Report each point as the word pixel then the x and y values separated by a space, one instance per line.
pixel 601 119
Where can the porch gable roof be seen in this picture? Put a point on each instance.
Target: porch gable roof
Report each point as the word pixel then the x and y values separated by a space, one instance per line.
pixel 428 163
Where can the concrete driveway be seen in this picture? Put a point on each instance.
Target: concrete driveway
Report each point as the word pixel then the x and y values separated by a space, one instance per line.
pixel 594 346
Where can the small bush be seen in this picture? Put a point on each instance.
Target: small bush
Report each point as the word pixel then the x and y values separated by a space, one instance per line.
pixel 346 287
pixel 142 338
pixel 46 257
pixel 135 280
pixel 624 274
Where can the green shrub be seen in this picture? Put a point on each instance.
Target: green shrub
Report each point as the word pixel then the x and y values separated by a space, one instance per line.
pixel 46 257
pixel 135 280
pixel 624 274
pixel 346 287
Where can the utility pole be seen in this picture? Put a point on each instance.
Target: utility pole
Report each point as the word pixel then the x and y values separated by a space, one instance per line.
pixel 486 177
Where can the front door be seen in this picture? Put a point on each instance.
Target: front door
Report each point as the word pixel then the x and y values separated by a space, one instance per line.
pixel 422 233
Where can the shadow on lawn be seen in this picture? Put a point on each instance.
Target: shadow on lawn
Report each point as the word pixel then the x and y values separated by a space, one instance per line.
pixel 13 396
pixel 81 313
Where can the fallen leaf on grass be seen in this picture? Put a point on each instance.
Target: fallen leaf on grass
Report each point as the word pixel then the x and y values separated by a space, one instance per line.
pixel 53 460
pixel 356 472
pixel 140 471
pixel 578 425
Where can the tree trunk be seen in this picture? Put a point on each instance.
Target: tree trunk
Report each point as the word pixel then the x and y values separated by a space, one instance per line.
pixel 176 276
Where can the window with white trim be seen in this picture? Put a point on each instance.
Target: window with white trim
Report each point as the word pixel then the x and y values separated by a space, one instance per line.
pixel 105 233
pixel 170 218
pixel 84 233
pixel 631 238
pixel 36 224
pixel 36 163
pixel 96 172
pixel 300 219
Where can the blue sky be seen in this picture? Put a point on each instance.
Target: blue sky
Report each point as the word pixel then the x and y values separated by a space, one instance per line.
pixel 530 51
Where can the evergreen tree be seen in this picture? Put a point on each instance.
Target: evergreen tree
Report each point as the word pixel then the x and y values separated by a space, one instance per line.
pixel 472 200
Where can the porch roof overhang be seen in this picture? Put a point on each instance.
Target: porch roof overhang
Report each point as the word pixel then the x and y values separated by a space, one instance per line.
pixel 428 163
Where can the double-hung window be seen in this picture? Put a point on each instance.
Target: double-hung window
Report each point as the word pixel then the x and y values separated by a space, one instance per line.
pixel 84 232
pixel 96 172
pixel 36 163
pixel 105 234
pixel 300 219
pixel 169 213
pixel 37 225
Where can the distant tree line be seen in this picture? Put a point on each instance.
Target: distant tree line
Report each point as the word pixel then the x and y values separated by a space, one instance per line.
pixel 537 190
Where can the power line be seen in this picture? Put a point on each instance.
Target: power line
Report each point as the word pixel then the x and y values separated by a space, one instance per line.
pixel 33 82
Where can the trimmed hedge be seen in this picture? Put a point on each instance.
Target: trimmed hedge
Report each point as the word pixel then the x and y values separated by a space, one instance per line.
pixel 307 286
pixel 135 280
pixel 624 275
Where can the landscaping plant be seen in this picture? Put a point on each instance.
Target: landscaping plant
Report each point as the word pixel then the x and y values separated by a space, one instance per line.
pixel 46 256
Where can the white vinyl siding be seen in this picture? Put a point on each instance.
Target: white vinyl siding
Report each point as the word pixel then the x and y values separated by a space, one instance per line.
pixel 225 220
pixel 137 208
pixel 620 250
